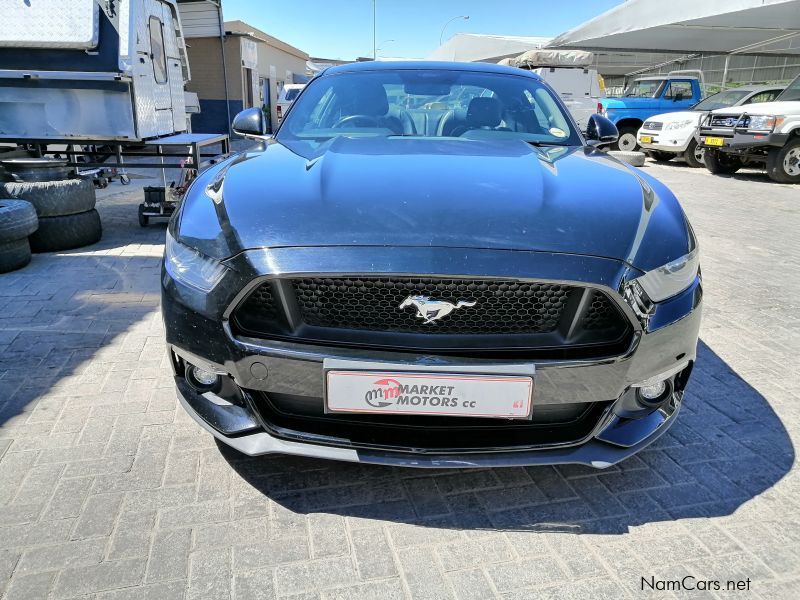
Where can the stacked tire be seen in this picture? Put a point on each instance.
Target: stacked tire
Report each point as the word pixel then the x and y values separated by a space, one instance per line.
pixel 18 220
pixel 66 210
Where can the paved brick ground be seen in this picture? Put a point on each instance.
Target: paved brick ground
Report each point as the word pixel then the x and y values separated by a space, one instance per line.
pixel 109 491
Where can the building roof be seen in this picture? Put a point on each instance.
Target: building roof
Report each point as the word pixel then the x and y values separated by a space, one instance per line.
pixel 689 26
pixel 478 47
pixel 242 28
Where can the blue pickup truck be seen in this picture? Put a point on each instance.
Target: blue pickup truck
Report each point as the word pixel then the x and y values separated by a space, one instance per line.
pixel 647 96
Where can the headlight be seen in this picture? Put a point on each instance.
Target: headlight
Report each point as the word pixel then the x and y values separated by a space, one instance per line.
pixel 763 122
pixel 188 266
pixel 680 124
pixel 671 279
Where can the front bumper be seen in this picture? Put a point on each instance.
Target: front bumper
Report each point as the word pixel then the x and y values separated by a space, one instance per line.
pixel 664 141
pixel 594 453
pixel 199 334
pixel 740 141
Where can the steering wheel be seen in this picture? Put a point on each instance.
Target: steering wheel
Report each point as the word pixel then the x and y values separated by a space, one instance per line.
pixel 370 121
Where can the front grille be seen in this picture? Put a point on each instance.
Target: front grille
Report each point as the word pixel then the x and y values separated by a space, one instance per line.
pixel 492 315
pixel 728 122
pixel 653 125
pixel 373 304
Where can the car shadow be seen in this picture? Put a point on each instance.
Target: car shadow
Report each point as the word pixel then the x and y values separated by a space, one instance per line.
pixel 727 447
pixel 746 174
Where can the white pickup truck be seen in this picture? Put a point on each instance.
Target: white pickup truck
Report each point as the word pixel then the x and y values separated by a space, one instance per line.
pixel 759 134
pixel 672 134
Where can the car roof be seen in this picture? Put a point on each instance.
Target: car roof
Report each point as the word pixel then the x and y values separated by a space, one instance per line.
pixel 418 65
pixel 757 88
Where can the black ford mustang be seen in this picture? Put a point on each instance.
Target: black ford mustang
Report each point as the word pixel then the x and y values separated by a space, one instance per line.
pixel 430 265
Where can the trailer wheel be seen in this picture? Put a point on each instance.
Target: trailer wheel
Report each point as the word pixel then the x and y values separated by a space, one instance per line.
pixel 721 163
pixel 144 220
pixel 635 159
pixel 67 232
pixel 14 255
pixel 54 198
pixel 627 141
pixel 783 164
pixel 17 220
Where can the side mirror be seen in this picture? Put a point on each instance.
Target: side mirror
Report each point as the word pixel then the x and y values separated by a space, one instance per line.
pixel 678 97
pixel 601 131
pixel 250 123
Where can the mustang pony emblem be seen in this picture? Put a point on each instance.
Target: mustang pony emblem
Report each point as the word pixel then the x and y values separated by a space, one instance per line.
pixel 433 310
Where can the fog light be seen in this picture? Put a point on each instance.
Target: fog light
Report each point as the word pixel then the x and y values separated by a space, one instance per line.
pixel 200 379
pixel 653 390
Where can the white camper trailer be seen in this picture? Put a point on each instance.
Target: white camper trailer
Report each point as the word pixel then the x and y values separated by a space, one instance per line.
pixel 570 73
pixel 74 70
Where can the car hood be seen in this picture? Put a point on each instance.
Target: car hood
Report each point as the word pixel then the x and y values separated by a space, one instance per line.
pixel 673 117
pixel 762 108
pixel 452 193
pixel 632 102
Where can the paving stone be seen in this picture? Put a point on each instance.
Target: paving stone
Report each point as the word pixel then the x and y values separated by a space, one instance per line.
pixel 170 590
pixel 98 516
pixel 315 574
pixel 98 578
pixel 388 589
pixel 474 553
pixel 470 585
pixel 526 573
pixel 28 587
pixel 61 556
pixel 422 575
pixel 132 535
pixel 271 552
pixel 169 555
pixel 328 535
pixel 68 498
pixel 256 585
pixel 373 555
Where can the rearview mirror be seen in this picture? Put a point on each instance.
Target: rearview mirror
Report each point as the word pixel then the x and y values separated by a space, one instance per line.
pixel 250 123
pixel 601 131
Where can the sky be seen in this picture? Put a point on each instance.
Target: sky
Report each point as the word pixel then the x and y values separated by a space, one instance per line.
pixel 342 29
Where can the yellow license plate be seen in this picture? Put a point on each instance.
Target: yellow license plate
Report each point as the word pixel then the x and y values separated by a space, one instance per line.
pixel 715 141
pixel 647 139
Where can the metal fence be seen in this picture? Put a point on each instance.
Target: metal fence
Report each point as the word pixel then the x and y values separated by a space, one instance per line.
pixel 742 69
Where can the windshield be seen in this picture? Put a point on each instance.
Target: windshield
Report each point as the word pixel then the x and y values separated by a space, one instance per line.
pixel 643 88
pixel 721 100
pixel 426 103
pixel 792 92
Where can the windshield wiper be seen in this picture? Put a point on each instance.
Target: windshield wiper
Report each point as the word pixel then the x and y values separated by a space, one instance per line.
pixel 544 144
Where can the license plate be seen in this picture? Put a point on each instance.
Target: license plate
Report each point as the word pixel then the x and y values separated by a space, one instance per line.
pixel 714 141
pixel 443 394
pixel 646 139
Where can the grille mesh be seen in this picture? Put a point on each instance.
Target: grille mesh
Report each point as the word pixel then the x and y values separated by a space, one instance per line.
pixel 600 314
pixel 373 304
pixel 260 305
pixel 653 125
